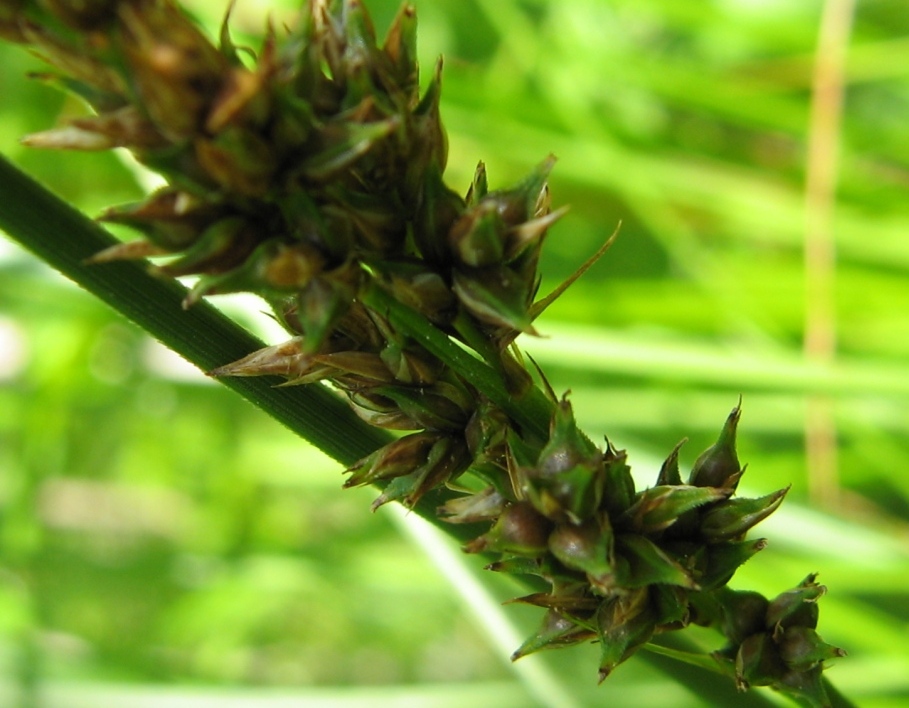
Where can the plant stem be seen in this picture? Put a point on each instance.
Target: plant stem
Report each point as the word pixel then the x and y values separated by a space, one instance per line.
pixel 64 238
pixel 709 686
pixel 671 652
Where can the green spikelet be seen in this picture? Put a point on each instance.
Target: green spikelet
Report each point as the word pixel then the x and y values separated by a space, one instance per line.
pixel 718 466
pixel 566 480
pixel 555 631
pixel 623 624
pixel 774 643
pixel 588 548
pixel 519 530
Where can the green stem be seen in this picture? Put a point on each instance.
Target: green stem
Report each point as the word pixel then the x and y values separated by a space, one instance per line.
pixel 710 687
pixel 65 238
pixel 476 340
pixel 532 411
pixel 671 652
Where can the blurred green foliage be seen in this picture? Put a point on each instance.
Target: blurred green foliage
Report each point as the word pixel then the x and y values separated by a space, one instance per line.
pixel 154 529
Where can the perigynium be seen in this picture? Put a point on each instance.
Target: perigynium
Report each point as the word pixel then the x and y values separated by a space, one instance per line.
pixel 311 174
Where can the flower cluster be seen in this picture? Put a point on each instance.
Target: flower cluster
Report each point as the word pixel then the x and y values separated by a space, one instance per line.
pixel 775 642
pixel 311 174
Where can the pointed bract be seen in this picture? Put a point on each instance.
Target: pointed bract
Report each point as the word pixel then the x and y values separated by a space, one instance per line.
pixel 669 471
pixel 718 465
pixel 730 519
pixel 623 624
pixel 658 508
pixel 555 631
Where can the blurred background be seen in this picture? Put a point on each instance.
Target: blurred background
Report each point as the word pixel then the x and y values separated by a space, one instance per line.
pixel 164 543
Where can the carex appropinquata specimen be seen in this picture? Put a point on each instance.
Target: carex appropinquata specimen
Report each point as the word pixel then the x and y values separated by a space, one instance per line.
pixel 310 173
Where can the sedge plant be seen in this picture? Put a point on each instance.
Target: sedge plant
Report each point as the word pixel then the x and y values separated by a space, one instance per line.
pixel 311 173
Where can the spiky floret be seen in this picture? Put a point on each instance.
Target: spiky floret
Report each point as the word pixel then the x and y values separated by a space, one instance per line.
pixel 296 173
pixel 312 172
pixel 624 565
